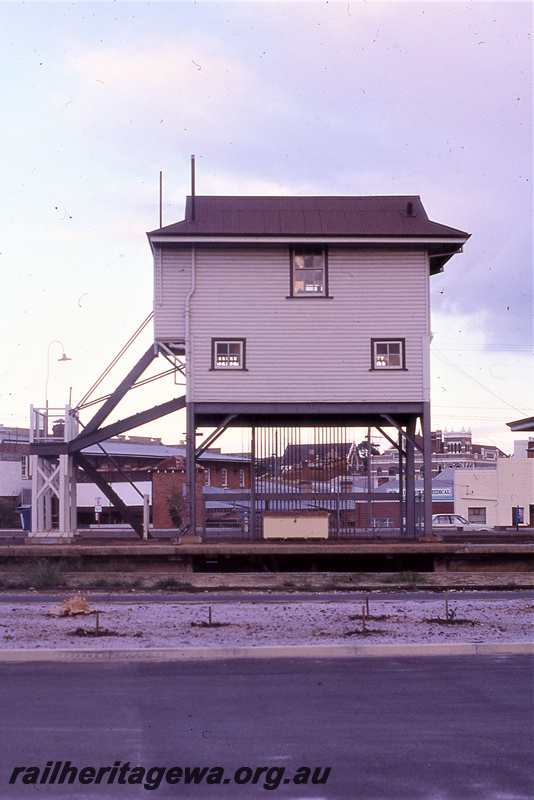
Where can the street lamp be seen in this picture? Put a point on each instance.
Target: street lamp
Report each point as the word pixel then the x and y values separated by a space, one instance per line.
pixel 64 357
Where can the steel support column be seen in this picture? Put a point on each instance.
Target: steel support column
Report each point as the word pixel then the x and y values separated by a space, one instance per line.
pixel 53 478
pixel 427 469
pixel 410 478
pixel 191 476
pixel 114 399
pixel 113 497
pixel 402 486
pixel 253 485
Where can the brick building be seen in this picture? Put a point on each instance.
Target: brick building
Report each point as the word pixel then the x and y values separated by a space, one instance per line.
pixel 449 449
pixel 216 471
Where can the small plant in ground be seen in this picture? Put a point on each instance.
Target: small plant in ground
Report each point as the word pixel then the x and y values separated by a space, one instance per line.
pixel 168 584
pixel 450 616
pixel 205 624
pixel 210 623
pixel 91 632
pixel 413 579
pixel 365 631
pixel 454 621
pixel 45 573
pixel 364 616
pixel 176 507
pixel 96 631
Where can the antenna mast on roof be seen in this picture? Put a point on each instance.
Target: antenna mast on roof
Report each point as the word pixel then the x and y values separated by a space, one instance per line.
pixel 192 188
pixel 161 199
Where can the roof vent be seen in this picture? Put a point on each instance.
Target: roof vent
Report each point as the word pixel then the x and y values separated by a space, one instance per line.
pixel 193 191
pixel 409 208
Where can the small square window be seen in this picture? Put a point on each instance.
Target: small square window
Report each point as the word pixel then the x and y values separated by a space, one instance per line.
pixel 476 514
pixel 308 271
pixel 228 354
pixel 387 354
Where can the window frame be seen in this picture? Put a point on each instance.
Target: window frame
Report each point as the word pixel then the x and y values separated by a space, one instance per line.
pixel 25 467
pixel 224 477
pixel 383 522
pixel 387 368
pixel 241 367
pixel 293 295
pixel 477 515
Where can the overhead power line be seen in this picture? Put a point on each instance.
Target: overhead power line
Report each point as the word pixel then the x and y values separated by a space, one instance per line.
pixel 503 399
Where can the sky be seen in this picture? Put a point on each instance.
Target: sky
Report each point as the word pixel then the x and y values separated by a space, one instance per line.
pixel 321 98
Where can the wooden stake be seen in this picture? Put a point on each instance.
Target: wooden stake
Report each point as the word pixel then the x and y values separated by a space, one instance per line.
pixel 97 622
pixel 209 615
pixel 367 606
pixel 363 619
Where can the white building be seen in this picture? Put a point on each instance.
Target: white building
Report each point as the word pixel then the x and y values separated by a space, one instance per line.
pixel 492 497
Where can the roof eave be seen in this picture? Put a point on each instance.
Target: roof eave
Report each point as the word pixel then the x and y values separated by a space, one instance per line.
pixel 210 238
pixel 520 425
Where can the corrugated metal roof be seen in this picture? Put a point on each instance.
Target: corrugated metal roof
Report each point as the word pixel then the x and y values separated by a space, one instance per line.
pixel 308 216
pixel 134 449
pixel 156 451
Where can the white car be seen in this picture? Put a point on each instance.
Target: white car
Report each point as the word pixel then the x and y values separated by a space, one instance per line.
pixel 452 522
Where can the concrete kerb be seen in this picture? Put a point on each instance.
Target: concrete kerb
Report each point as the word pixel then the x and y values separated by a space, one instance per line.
pixel 272 652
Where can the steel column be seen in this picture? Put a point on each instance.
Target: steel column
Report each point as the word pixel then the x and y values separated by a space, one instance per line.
pixel 410 478
pixel 122 389
pixel 190 469
pixel 113 497
pixel 253 486
pixel 427 469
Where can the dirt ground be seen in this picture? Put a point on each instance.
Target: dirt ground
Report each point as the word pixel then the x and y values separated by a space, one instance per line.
pixel 147 625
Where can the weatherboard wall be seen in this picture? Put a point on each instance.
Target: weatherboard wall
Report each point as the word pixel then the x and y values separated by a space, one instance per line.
pixel 172 283
pixel 298 349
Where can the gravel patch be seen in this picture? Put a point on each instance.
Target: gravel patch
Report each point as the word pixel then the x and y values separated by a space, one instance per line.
pixel 169 625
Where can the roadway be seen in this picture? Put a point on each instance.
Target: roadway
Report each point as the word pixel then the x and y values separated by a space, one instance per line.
pixel 265 597
pixel 454 728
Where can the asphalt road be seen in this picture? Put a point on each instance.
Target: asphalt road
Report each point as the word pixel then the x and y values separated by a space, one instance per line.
pixel 264 597
pixel 453 728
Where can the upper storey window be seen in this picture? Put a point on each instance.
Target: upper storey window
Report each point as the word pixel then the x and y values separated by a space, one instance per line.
pixel 309 271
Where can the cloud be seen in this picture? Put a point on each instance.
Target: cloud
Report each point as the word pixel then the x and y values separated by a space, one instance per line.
pixel 274 98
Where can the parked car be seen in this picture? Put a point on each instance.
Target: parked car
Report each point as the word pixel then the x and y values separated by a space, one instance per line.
pixel 452 522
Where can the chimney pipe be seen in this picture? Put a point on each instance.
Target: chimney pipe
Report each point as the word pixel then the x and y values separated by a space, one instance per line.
pixel 192 188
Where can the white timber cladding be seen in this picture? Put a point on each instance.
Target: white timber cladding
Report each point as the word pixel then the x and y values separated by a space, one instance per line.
pixel 172 282
pixel 300 349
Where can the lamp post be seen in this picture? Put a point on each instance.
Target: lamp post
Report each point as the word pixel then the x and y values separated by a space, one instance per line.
pixel 64 357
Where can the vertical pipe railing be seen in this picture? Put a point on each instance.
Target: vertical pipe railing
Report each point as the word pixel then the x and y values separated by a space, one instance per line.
pixel 253 484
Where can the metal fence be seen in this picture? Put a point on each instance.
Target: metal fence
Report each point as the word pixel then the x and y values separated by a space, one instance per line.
pixel 300 471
